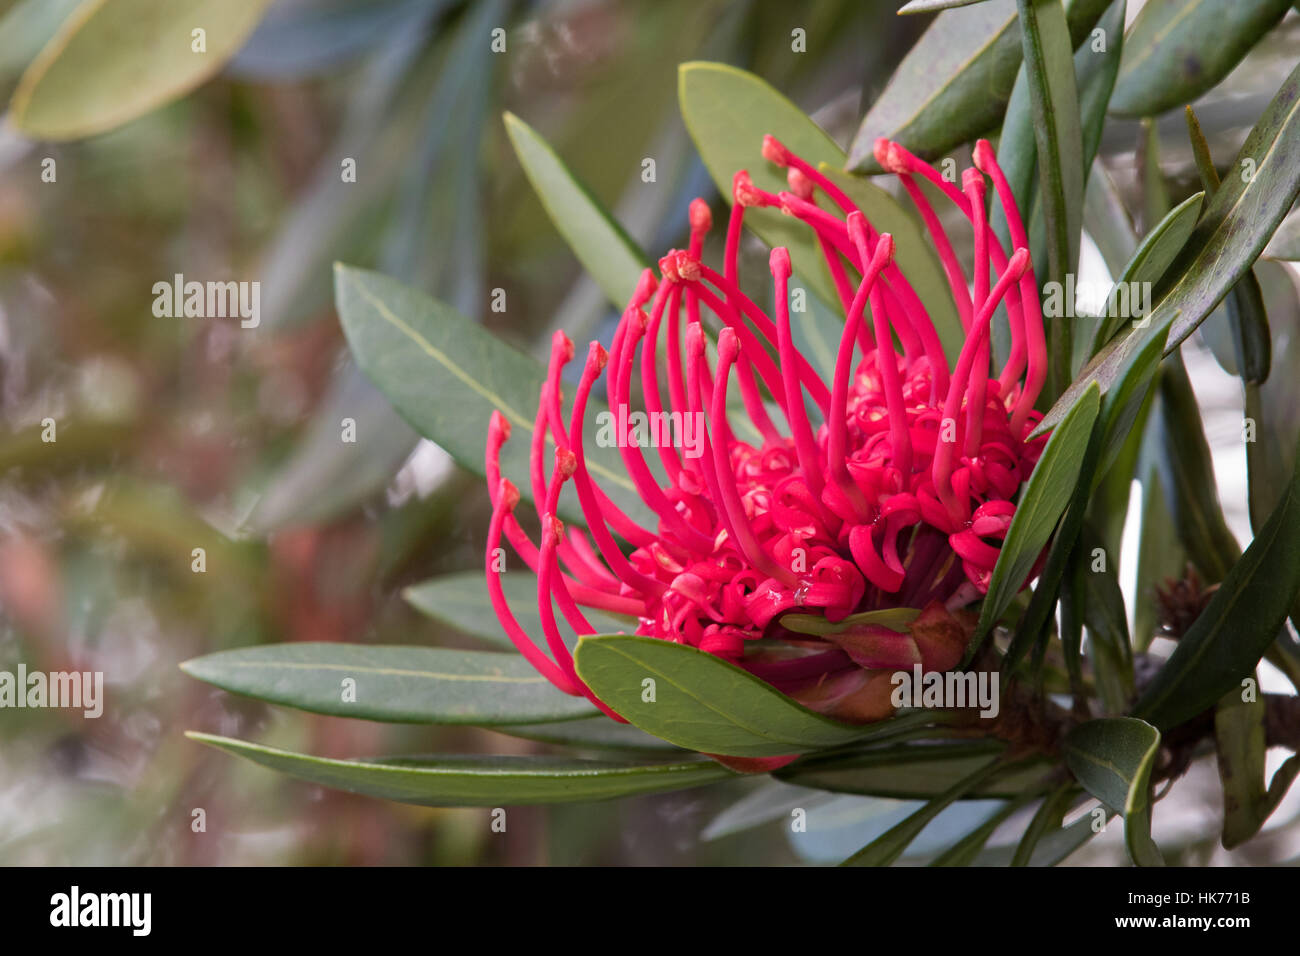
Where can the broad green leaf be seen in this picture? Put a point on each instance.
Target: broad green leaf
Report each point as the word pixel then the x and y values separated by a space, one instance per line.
pixel 1178 49
pixel 461 601
pixel 1242 620
pixel 700 701
pixel 420 685
pixel 1186 474
pixel 114 60
pixel 1053 97
pixel 446 375
pixel 1050 488
pixel 1159 248
pixel 889 846
pixel 1240 748
pixel 914 254
pixel 478 780
pixel 911 771
pixel 728 112
pixel 1112 757
pixel 607 252
pixel 951 86
pixel 1230 235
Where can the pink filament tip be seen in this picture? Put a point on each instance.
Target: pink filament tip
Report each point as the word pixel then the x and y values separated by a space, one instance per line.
pixel 779 262
pixel 508 495
pixel 745 192
pixel 775 152
pixel 891 157
pixel 701 216
pixel 800 184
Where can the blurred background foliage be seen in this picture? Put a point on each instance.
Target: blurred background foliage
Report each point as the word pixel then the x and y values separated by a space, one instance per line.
pixel 176 434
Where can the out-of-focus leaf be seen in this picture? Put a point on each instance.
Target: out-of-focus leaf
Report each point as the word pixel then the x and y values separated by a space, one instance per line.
pixel 1237 627
pixel 1160 555
pixel 1274 406
pixel 594 733
pixel 446 375
pixel 774 800
pixel 477 780
pixel 727 112
pixel 607 252
pixel 461 601
pixel 299 39
pixel 325 474
pixel 1106 220
pixel 111 62
pixel 699 701
pixel 1241 751
pixel 26 27
pixel 413 685
pixel 1285 243
pixel 1103 615
pixel 1046 820
pixel 1178 49
pixel 931 6
pixel 1229 236
pixel 966 850
pixel 1112 757
pixel 889 846
pixel 914 253
pixel 1051 485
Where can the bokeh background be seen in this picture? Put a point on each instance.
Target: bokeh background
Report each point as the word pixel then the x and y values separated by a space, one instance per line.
pixel 181 433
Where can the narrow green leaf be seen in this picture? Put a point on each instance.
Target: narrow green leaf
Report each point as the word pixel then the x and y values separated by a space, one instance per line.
pixel 1242 620
pixel 951 86
pixel 1160 556
pixel 889 846
pixel 1049 69
pixel 1178 49
pixel 607 252
pixel 477 780
pixel 114 60
pixel 1112 757
pixel 420 685
pixel 1241 752
pixel 1158 250
pixel 1231 233
pixel 446 375
pixel 965 851
pixel 700 701
pixel 595 733
pixel 912 771
pixel 932 6
pixel 1050 487
pixel 1187 475
pixel 1046 820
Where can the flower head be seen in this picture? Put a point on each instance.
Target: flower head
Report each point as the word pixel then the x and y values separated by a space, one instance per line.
pixel 889 486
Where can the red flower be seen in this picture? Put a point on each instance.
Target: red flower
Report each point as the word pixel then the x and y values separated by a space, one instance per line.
pixel 895 492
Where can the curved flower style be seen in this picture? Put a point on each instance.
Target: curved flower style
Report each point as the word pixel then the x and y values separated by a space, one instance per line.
pixel 888 487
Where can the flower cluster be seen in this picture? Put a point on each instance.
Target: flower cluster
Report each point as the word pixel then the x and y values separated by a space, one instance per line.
pixel 888 487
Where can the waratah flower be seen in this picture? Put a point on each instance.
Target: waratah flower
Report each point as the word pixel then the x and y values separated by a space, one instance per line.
pixel 888 487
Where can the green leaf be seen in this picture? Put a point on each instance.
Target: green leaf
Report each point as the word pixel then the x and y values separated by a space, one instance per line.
pixel 608 254
pixel 420 685
pixel 1187 475
pixel 1051 485
pixel 596 733
pixel 478 780
pixel 773 800
pixel 727 112
pixel 1160 556
pixel 701 702
pixel 1049 69
pixel 114 60
pixel 889 846
pixel 1230 235
pixel 446 375
pixel 1046 819
pixel 965 851
pixel 914 254
pixel 461 601
pixel 1112 757
pixel 1242 620
pixel 951 86
pixel 1158 250
pixel 911 771
pixel 1240 747
pixel 1178 49
pixel 930 6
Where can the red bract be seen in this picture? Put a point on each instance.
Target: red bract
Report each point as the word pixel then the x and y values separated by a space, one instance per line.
pixel 894 492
